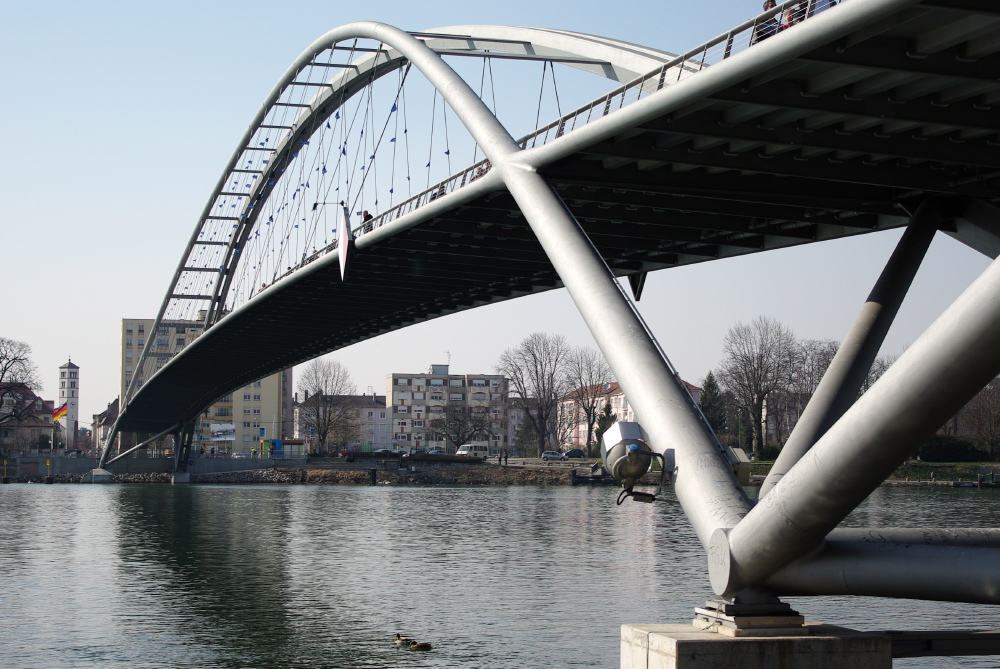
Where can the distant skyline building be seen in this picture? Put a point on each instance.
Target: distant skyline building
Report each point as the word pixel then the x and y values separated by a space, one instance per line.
pixel 69 397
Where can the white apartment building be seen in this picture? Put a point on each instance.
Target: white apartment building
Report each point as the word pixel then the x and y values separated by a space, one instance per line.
pixel 416 400
pixel 236 422
pixel 374 425
pixel 574 422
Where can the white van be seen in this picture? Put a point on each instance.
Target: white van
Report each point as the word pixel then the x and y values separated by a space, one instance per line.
pixel 474 450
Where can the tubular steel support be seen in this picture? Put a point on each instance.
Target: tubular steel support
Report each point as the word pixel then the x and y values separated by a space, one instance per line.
pixel 104 462
pixel 955 565
pixel 704 481
pixel 843 379
pixel 950 362
pixel 183 437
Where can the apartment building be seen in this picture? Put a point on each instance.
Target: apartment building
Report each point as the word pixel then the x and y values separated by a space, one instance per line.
pixel 233 424
pixel 367 426
pixel 441 410
pixel 573 422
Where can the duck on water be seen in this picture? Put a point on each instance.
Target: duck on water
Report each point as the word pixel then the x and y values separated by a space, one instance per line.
pixel 411 643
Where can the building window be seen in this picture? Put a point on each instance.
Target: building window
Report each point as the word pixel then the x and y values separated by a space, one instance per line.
pixel 256 384
pixel 256 423
pixel 142 327
pixel 256 398
pixel 402 382
pixel 494 383
pixel 256 410
pixel 479 383
pixel 401 436
pixel 246 423
pixel 181 329
pixel 246 437
pixel 62 384
pixel 226 398
pixel 437 382
pixel 456 383
pixel 223 411
pixel 418 423
pixel 401 423
pixel 246 397
pixel 128 327
pixel 62 375
pixel 161 342
pixel 371 414
pixel 402 409
pixel 496 437
pixel 72 384
pixel 455 397
pixel 142 342
pixel 418 396
pixel 437 397
pixel 381 414
pixel 180 342
pixel 246 411
pixel 128 341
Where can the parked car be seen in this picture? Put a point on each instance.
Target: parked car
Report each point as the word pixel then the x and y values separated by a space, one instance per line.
pixel 575 453
pixel 382 450
pixel 553 455
pixel 437 451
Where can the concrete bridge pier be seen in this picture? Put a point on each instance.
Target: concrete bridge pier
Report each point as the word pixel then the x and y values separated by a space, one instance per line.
pixel 691 647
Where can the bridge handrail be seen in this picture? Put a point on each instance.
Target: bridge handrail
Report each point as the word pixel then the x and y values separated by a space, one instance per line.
pixel 736 39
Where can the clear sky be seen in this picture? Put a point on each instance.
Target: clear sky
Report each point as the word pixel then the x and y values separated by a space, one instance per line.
pixel 120 116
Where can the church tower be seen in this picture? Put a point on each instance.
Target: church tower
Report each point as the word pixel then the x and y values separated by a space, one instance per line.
pixel 69 397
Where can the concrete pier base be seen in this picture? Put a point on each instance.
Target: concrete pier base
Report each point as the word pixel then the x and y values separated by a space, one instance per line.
pixel 98 476
pixel 180 477
pixel 687 647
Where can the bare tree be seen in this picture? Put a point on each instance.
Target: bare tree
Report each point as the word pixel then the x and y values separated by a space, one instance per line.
pixel 329 407
pixel 18 378
pixel 535 369
pixel 982 415
pixel 461 424
pixel 758 360
pixel 589 376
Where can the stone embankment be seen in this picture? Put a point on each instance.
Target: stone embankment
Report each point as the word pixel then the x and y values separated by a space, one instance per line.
pixel 457 475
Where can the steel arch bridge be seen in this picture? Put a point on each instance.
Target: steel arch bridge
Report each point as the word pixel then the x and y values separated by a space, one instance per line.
pixel 870 115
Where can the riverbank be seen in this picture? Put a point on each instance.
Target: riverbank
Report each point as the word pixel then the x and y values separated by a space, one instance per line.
pixel 493 475
pixel 442 475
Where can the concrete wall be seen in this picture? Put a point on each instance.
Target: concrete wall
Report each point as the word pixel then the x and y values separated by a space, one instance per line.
pixel 36 465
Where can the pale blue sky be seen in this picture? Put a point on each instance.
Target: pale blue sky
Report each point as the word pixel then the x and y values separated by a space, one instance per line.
pixel 119 118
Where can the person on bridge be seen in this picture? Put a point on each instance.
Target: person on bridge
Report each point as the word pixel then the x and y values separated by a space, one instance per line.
pixel 767 27
pixel 365 216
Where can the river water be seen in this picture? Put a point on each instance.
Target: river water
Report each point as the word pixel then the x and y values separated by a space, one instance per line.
pixel 324 576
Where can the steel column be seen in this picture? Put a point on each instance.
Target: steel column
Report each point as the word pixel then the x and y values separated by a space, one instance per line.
pixel 843 379
pixel 954 565
pixel 704 482
pixel 950 362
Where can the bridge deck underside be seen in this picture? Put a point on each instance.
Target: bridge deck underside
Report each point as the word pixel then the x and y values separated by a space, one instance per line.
pixel 843 139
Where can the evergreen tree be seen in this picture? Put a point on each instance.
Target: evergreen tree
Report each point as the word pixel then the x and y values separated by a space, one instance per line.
pixel 605 419
pixel 713 404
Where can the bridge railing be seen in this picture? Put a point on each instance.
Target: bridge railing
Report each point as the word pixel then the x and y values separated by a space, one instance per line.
pixel 782 17
pixel 710 53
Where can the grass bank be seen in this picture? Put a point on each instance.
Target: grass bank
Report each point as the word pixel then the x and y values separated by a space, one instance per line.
pixel 915 470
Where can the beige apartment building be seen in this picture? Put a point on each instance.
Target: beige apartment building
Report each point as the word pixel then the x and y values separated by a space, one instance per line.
pixel 422 406
pixel 236 422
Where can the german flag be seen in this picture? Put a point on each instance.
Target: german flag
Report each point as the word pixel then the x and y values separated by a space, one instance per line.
pixel 59 413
